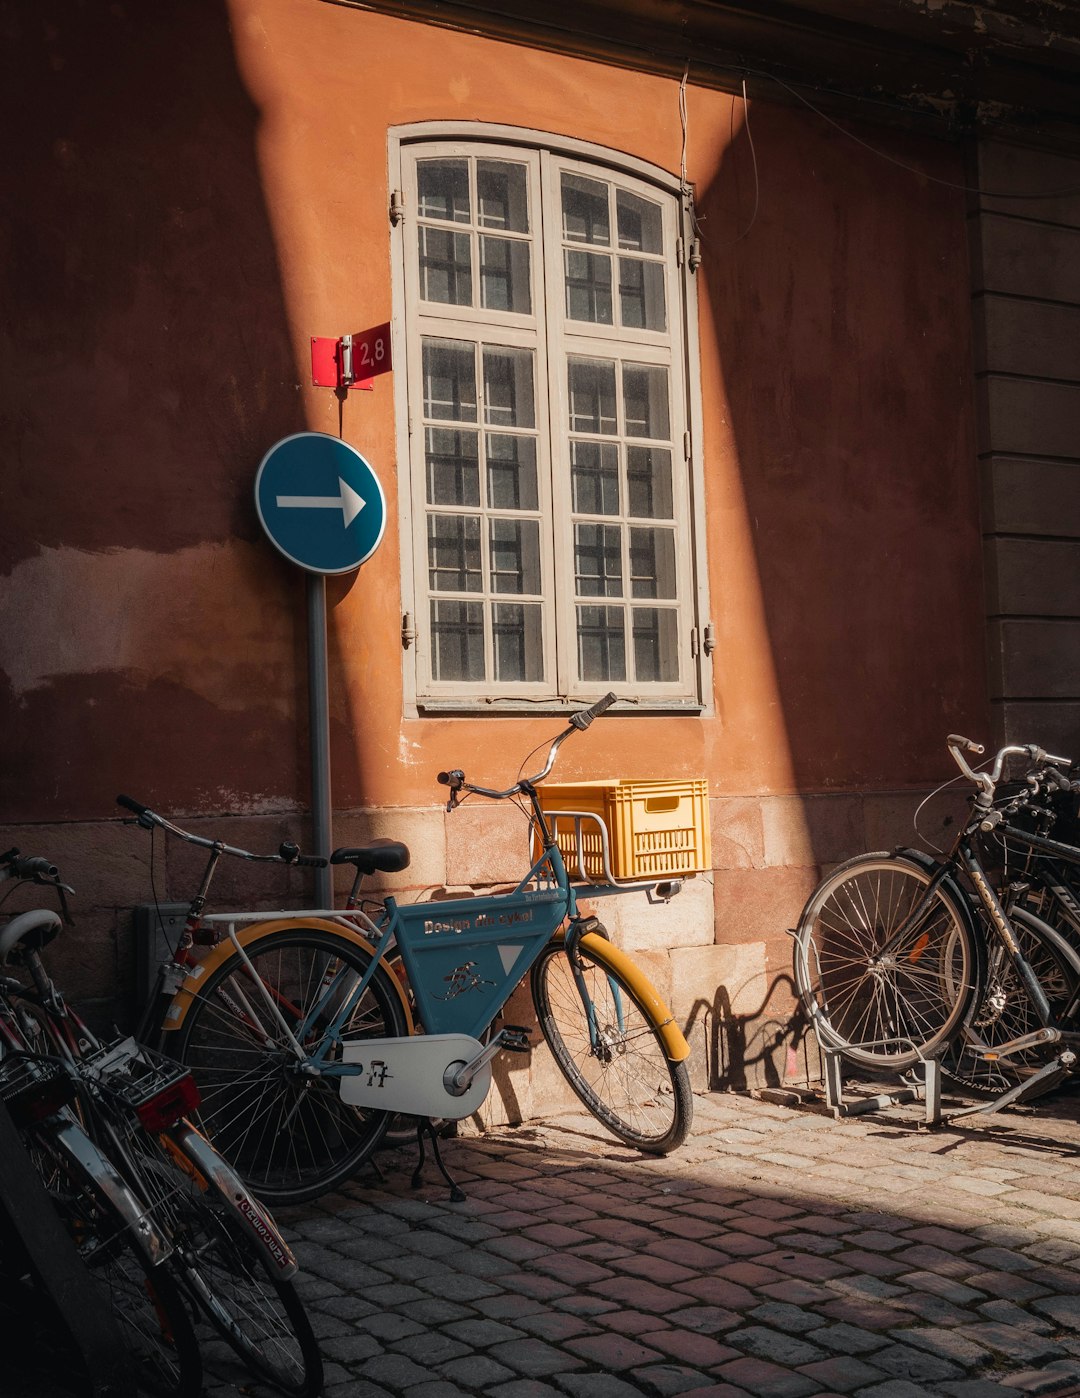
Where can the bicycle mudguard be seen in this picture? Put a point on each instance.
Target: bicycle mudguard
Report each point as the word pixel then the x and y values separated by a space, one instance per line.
pixel 194 1154
pixel 951 886
pixel 68 1138
pixel 676 1049
pixel 254 932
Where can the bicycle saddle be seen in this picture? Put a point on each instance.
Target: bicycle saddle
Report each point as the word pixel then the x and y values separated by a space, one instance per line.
pixel 384 856
pixel 32 930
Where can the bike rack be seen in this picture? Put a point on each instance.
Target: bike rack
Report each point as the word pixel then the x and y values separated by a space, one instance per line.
pixel 27 1216
pixel 928 1091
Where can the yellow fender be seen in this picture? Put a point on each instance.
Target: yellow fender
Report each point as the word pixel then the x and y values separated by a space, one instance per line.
pixel 676 1049
pixel 254 932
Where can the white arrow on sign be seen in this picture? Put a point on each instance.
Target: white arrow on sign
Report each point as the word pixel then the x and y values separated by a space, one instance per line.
pixel 348 502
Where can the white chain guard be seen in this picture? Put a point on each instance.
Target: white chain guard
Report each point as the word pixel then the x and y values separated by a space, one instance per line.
pixel 406 1075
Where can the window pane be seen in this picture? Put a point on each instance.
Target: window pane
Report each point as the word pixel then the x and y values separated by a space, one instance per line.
pixel 515 555
pixel 502 192
pixel 454 553
pixel 445 267
pixel 645 392
pixel 453 467
pixel 504 275
pixel 588 287
pixel 641 294
pixel 585 211
pixel 592 396
pixel 508 388
pixel 648 482
pixel 518 642
pixel 598 560
pixel 511 472
pixel 601 643
pixel 595 477
pixel 443 189
pixel 449 380
pixel 641 226
pixel 457 640
pixel 656 650
pixel 652 562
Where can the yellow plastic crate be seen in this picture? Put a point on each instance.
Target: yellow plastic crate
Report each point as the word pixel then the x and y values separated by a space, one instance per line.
pixel 656 830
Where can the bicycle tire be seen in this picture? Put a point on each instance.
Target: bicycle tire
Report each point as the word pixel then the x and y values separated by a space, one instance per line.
pixel 1004 1011
pixel 290 1137
pixel 145 1299
pixel 628 1083
pixel 885 1013
pixel 222 1269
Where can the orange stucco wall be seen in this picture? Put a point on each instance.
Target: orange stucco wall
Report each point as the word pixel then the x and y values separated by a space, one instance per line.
pixel 182 231
pixel 174 236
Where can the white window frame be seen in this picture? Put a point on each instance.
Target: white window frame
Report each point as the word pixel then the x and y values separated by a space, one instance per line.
pixel 547 156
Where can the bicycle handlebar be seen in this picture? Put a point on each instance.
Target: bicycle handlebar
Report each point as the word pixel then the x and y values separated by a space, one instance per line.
pixel 455 779
pixel 987 781
pixel 288 852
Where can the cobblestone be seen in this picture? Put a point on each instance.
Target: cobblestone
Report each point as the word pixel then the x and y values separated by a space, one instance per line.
pixel 577 1269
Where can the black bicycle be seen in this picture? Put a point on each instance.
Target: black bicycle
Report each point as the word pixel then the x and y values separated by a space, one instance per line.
pixel 900 957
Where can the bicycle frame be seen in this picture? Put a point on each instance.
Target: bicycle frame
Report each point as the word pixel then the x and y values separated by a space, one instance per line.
pixel 464 958
pixel 964 856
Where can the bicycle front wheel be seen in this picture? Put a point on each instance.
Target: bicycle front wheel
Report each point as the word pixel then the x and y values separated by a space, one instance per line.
pixel 611 1051
pixel 885 987
pixel 286 1132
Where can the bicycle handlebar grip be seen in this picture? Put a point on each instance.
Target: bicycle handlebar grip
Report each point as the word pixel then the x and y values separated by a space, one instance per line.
pixel 454 778
pixel 956 740
pixel 131 805
pixel 584 717
pixel 28 867
pixel 312 861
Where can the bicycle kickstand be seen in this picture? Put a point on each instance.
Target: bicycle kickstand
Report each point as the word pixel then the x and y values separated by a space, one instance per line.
pixel 425 1128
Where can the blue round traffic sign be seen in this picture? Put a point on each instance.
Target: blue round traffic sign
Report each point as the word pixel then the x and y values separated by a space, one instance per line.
pixel 320 503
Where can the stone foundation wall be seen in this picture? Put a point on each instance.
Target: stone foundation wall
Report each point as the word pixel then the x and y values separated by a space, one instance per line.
pixel 719 953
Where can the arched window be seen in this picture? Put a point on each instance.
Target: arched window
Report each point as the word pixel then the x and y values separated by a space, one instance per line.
pixel 544 317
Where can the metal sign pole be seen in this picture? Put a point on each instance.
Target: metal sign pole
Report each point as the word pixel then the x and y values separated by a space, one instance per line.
pixel 319 721
pixel 323 508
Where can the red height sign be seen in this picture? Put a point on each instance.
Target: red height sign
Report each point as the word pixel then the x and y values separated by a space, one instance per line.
pixel 351 361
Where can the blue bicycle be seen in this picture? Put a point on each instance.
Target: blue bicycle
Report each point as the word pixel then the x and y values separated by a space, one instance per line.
pixel 308 1032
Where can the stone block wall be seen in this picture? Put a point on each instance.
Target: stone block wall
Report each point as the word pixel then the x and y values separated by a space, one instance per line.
pixel 719 953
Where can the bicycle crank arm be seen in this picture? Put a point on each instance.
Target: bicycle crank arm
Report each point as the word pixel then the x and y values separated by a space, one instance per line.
pixel 412 1075
pixel 1020 1044
pixel 511 1038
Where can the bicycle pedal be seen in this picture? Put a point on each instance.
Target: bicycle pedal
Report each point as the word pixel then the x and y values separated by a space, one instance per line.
pixel 515 1039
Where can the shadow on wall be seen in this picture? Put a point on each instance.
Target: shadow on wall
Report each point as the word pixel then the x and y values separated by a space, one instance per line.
pixel 838 286
pixel 766 1045
pixel 148 630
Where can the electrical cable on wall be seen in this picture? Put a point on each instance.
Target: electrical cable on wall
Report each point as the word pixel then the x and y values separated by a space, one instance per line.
pixel 686 188
pixel 753 156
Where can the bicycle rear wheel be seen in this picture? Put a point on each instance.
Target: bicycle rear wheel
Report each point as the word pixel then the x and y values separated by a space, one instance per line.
pixel 621 1073
pixel 1005 1012
pixel 884 992
pixel 144 1299
pixel 286 1133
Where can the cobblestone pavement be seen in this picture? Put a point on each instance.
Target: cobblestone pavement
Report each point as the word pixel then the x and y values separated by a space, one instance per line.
pixel 779 1253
